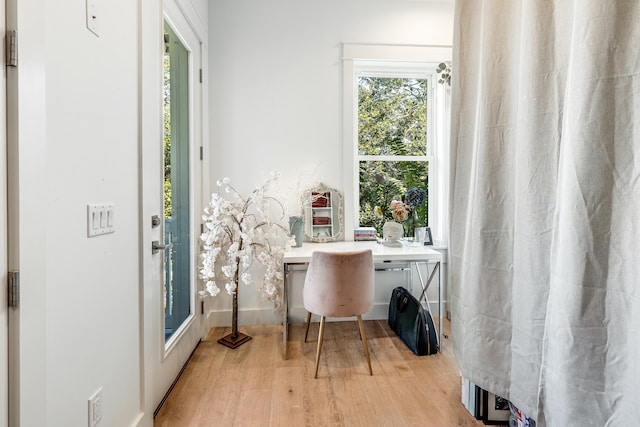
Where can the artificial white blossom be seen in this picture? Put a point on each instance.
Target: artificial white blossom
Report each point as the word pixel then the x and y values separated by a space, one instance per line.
pixel 239 231
pixel 230 287
pixel 212 288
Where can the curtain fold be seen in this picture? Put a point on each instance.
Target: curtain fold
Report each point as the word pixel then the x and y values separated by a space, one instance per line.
pixel 545 205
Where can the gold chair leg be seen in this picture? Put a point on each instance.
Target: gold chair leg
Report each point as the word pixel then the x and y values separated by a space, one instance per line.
pixel 364 343
pixel 320 338
pixel 306 333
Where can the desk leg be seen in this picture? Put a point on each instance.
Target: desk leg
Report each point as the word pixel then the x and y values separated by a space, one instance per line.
pixel 437 267
pixel 440 306
pixel 285 312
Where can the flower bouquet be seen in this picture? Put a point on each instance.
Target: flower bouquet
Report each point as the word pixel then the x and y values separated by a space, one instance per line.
pixel 414 197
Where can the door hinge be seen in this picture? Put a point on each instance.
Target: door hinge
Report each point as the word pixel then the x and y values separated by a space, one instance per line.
pixel 14 289
pixel 200 75
pixel 12 48
pixel 201 153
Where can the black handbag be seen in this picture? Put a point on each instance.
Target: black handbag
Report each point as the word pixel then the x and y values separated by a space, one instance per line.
pixel 412 323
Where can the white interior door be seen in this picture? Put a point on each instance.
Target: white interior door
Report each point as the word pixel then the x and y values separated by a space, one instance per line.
pixel 173 188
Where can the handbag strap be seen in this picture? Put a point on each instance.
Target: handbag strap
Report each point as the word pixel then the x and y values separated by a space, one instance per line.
pixel 401 302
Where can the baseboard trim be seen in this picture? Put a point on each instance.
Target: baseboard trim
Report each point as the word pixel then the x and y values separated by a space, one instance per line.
pixel 166 395
pixel 297 314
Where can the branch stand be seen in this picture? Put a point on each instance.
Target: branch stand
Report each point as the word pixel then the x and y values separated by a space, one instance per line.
pixel 235 339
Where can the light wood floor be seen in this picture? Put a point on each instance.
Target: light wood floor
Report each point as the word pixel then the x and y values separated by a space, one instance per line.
pixel 254 386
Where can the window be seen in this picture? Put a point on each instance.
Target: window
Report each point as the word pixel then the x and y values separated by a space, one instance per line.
pixel 392 148
pixel 395 128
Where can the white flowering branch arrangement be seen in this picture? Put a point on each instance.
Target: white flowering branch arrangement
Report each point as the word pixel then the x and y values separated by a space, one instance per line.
pixel 238 231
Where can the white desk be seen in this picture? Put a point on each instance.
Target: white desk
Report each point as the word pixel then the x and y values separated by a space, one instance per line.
pixel 381 253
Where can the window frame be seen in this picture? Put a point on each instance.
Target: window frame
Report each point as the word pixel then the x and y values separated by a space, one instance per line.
pixel 398 61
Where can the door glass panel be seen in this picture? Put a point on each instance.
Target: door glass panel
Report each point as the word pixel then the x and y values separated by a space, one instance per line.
pixel 177 280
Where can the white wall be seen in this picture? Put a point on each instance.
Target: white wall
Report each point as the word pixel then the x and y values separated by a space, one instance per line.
pixel 92 157
pixel 80 314
pixel 275 92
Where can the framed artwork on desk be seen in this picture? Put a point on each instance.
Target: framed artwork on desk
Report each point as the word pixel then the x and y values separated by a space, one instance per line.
pixel 428 240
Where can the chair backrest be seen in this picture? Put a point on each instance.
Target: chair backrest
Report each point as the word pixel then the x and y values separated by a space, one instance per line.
pixel 339 284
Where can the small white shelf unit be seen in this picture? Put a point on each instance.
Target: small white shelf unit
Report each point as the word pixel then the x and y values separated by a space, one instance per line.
pixel 324 219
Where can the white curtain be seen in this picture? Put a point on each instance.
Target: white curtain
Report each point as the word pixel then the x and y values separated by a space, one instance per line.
pixel 545 206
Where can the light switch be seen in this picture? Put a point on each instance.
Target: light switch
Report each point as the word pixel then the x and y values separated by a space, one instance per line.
pixel 110 216
pixel 95 220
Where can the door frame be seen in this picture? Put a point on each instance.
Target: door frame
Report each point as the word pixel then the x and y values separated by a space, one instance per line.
pixel 26 151
pixel 4 248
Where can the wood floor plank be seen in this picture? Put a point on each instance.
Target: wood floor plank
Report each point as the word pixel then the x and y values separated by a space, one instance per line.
pixel 253 385
pixel 287 401
pixel 254 408
pixel 197 377
pixel 320 401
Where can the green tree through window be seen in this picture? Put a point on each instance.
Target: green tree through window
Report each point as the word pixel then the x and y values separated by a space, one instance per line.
pixel 166 134
pixel 392 145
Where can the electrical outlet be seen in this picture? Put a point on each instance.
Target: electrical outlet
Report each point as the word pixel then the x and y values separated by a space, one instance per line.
pixel 95 408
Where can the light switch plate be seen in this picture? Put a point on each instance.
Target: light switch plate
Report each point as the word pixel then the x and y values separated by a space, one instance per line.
pixel 95 408
pixel 100 219
pixel 92 16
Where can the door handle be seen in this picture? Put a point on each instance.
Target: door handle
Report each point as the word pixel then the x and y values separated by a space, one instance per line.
pixel 157 246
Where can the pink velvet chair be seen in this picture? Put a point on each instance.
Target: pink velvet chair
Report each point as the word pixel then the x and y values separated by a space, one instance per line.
pixel 339 284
